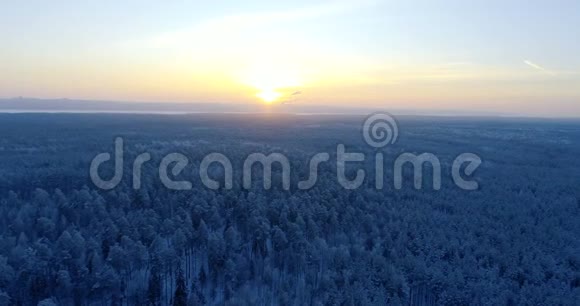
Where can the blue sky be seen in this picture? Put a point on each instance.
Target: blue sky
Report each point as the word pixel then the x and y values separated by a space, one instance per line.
pixel 505 56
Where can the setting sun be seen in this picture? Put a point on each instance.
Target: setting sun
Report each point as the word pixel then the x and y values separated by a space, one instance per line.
pixel 270 79
pixel 268 96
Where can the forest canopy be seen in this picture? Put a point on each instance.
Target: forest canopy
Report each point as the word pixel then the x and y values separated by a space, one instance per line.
pixel 513 241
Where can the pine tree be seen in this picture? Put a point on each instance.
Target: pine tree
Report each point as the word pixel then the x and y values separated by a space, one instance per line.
pixel 180 296
pixel 154 289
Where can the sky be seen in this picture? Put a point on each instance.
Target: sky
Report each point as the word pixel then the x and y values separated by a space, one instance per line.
pixel 510 56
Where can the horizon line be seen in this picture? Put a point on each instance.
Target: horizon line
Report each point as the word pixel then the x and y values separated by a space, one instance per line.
pixel 127 107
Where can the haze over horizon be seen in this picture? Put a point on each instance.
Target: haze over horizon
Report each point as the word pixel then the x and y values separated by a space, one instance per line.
pixel 519 57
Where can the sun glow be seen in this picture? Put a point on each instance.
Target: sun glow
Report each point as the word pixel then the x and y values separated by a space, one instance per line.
pixel 270 79
pixel 269 95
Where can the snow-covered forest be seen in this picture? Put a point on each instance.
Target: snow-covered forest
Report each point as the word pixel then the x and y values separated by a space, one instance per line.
pixel 514 241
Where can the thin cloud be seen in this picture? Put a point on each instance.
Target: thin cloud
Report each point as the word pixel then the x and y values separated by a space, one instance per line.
pixel 537 67
pixel 226 25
